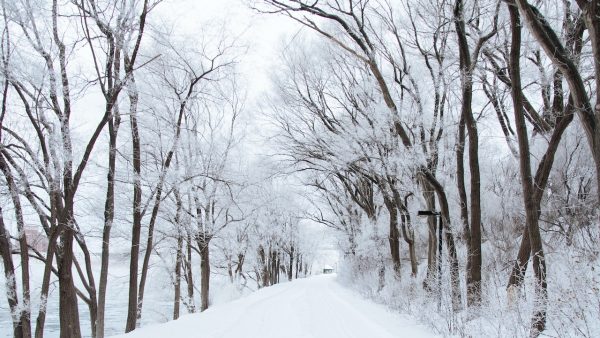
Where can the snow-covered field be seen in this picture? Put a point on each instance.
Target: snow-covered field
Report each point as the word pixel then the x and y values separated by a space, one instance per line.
pixel 313 307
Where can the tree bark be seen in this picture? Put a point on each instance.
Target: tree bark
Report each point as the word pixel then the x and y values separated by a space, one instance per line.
pixel 291 265
pixel 409 238
pixel 394 235
pixel 531 211
pixel 109 215
pixel 25 308
pixel 429 196
pixel 10 278
pixel 474 243
pixel 41 319
pixel 69 310
pixel 264 266
pixel 449 237
pixel 544 34
pixel 136 229
pixel 189 277
pixel 177 282
pixel 564 116
pixel 204 273
pixel 460 180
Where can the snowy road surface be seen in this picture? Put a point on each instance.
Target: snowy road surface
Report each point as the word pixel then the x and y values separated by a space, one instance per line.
pixel 307 308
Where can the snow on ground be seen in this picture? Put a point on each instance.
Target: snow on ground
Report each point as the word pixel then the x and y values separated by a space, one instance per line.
pixel 306 308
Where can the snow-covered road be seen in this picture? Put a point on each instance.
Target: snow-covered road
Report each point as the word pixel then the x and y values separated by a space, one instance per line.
pixel 306 308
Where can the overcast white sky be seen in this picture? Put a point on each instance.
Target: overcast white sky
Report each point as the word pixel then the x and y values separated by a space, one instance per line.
pixel 262 34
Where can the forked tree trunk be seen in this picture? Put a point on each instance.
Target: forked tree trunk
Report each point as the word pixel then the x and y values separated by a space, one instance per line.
pixel 409 238
pixel 408 233
pixel 564 116
pixel 567 62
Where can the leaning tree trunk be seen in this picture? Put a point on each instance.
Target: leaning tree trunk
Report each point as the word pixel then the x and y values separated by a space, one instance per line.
pixel 25 308
pixel 9 274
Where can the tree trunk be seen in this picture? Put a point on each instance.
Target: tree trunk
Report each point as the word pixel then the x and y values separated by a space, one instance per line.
pixel 429 196
pixel 474 243
pixel 189 276
pixel 273 270
pixel 132 306
pixel 409 238
pixel 264 266
pixel 276 266
pixel 240 265
pixel 460 180
pixel 298 265
pixel 445 211
pixel 229 268
pixel 563 59
pixel 9 274
pixel 149 247
pixel 204 274
pixel 25 308
pixel 69 310
pixel 178 259
pixel 394 236
pixel 109 214
pixel 531 212
pixel 53 238
pixel 564 116
pixel 291 265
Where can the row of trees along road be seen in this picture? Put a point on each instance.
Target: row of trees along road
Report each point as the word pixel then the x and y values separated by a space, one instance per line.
pixel 160 142
pixel 382 107
pixel 390 105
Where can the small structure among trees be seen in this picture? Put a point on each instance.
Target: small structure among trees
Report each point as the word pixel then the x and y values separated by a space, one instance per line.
pixel 327 269
pixel 36 240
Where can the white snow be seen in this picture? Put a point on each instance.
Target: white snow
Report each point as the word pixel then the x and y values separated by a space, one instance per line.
pixel 306 308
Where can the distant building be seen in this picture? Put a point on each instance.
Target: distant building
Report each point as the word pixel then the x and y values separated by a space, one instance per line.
pixel 327 269
pixel 36 239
